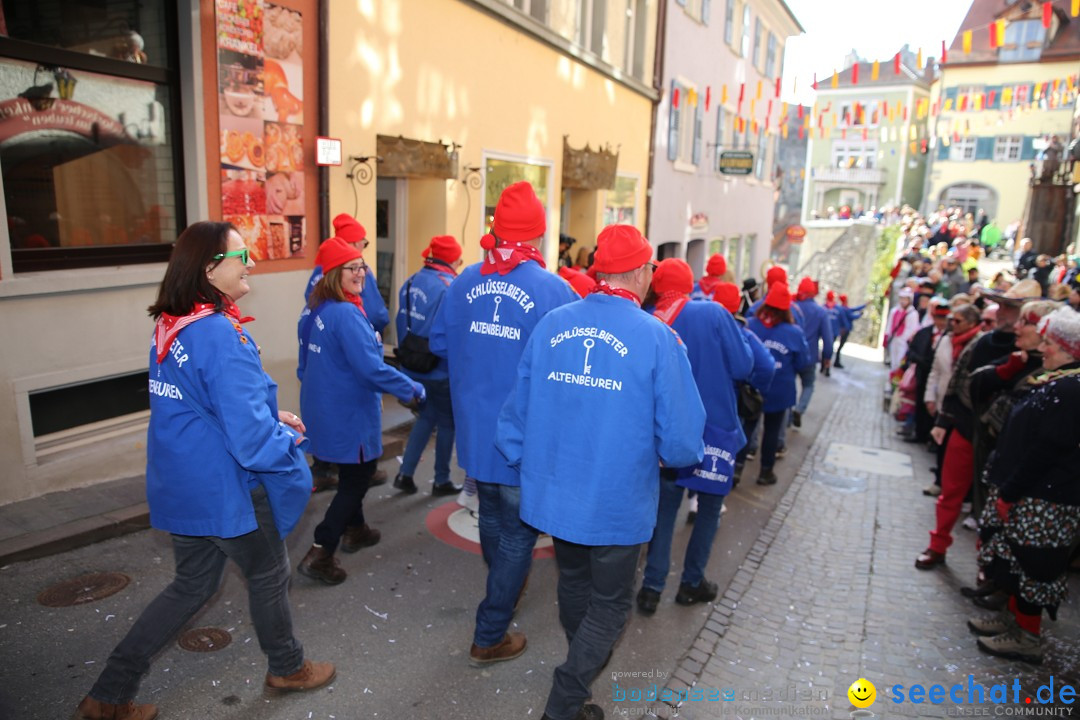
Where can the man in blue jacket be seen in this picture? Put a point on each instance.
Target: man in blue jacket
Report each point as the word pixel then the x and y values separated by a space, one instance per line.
pixel 352 232
pixel 604 394
pixel 719 357
pixel 418 303
pixel 481 328
pixel 819 338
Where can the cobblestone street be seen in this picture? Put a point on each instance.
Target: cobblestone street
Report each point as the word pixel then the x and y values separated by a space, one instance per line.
pixel 829 593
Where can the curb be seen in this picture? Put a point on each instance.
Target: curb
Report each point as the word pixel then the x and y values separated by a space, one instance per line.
pixel 124 520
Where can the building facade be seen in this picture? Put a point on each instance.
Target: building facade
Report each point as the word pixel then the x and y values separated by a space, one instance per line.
pixel 868 137
pixel 123 122
pixel 1000 106
pixel 722 62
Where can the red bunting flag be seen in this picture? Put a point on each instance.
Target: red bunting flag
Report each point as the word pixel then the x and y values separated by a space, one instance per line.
pixel 708 96
pixel 855 74
pixel 956 136
pixel 896 64
pixel 993 36
pixel 944 53
pixel 865 134
pixel 993 94
pixel 814 84
pixel 843 134
pixel 801 132
pixel 742 91
pixel 777 87
pixel 800 112
pixel 924 145
pixel 1048 14
pixel 675 98
pixel 963 103
pixel 905 113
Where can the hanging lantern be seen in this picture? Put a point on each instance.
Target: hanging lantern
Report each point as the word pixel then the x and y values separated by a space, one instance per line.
pixel 967 42
pixel 65 83
pixel 1048 14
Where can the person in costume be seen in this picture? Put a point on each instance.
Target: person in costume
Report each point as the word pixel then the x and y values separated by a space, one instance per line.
pixel 342 379
pixel 225 472
pixel 604 394
pixel 716 272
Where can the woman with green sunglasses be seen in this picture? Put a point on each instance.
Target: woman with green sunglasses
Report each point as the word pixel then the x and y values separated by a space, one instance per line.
pixel 225 472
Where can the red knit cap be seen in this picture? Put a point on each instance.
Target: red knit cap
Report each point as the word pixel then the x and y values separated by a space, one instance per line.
pixel 443 247
pixel 673 275
pixel 716 266
pixel 830 296
pixel 519 216
pixel 619 249
pixel 807 289
pixel 728 295
pixel 774 275
pixel 336 252
pixel 582 283
pixel 843 298
pixel 779 296
pixel 346 228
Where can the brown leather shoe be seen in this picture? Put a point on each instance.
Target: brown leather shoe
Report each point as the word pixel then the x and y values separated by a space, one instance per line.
pixel 310 676
pixel 510 647
pixel 91 709
pixel 929 559
pixel 359 536
pixel 321 565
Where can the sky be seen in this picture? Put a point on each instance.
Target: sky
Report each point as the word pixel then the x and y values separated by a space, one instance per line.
pixel 876 29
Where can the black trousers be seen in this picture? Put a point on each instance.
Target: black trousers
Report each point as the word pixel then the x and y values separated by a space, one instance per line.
pixel 347 507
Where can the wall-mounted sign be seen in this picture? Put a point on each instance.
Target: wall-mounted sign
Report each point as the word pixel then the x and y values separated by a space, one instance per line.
pixel 327 151
pixel 737 162
pixel 795 234
pixel 699 220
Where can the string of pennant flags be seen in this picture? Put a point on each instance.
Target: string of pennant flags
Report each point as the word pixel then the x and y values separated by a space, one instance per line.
pixel 1007 99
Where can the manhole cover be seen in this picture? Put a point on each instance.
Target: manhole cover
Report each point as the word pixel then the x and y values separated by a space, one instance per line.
pixel 206 639
pixel 83 589
pixel 839 483
pixel 867 459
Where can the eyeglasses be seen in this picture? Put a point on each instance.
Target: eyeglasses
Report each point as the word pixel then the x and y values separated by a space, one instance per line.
pixel 242 254
pixel 355 269
pixel 652 265
pixel 988 321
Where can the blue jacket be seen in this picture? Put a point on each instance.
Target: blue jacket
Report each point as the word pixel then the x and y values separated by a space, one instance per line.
pixel 374 305
pixel 816 327
pixel 604 393
pixel 853 314
pixel 428 286
pixel 214 436
pixel 790 353
pixel 719 356
pixel 342 384
pixel 481 328
pixel 761 376
pixel 838 319
pixel 796 312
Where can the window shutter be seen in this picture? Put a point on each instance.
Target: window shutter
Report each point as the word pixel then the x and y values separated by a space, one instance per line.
pixel 1027 148
pixel 950 94
pixel 984 148
pixel 705 11
pixel 673 123
pixel 996 89
pixel 942 150
pixel 719 137
pixel 699 113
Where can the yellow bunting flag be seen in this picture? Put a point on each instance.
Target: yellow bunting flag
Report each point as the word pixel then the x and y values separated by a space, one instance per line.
pixel 783 131
pixel 783 109
pixel 1075 8
pixel 835 83
pixel 913 133
pixel 948 104
pixel 753 104
pixel 758 97
pixel 918 60
pixel 999 26
pixel 1006 96
pixel 967 42
pixel 875 69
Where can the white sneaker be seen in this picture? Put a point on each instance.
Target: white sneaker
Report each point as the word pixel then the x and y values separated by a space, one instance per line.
pixel 723 509
pixel 970 523
pixel 468 498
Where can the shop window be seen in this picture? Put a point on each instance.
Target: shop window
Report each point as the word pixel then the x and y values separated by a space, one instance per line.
pixel 620 204
pixel 89 148
pixel 1008 147
pixel 501 174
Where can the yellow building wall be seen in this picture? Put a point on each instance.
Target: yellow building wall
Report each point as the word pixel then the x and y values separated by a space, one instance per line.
pixel 446 71
pixel 1009 179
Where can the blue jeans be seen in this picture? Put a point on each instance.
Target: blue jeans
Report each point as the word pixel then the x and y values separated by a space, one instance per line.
pixel 200 565
pixel 806 376
pixel 507 546
pixel 596 587
pixel 436 412
pixel 658 561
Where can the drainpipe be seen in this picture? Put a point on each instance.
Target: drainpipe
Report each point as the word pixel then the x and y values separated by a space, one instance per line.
pixel 324 116
pixel 658 85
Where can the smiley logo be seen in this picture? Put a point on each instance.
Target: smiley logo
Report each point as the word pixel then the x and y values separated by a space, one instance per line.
pixel 862 693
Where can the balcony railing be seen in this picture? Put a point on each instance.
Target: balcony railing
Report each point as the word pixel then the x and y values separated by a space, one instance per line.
pixel 861 176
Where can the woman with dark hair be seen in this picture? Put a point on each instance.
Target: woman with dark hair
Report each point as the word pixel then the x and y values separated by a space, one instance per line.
pixel 774 325
pixel 342 379
pixel 225 473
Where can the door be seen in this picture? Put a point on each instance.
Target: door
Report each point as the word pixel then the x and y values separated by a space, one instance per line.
pixel 390 246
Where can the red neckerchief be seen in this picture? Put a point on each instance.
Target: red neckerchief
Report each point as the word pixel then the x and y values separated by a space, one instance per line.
pixel 769 320
pixel 669 305
pixel 898 321
pixel 357 301
pixel 603 287
pixel 959 342
pixel 169 326
pixel 440 266
pixel 830 304
pixel 502 256
pixel 708 285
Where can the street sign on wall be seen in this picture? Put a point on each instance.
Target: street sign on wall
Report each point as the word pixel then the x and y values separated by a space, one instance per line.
pixel 736 162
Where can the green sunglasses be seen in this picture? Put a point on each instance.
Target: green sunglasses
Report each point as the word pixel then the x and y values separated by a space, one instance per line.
pixel 242 254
